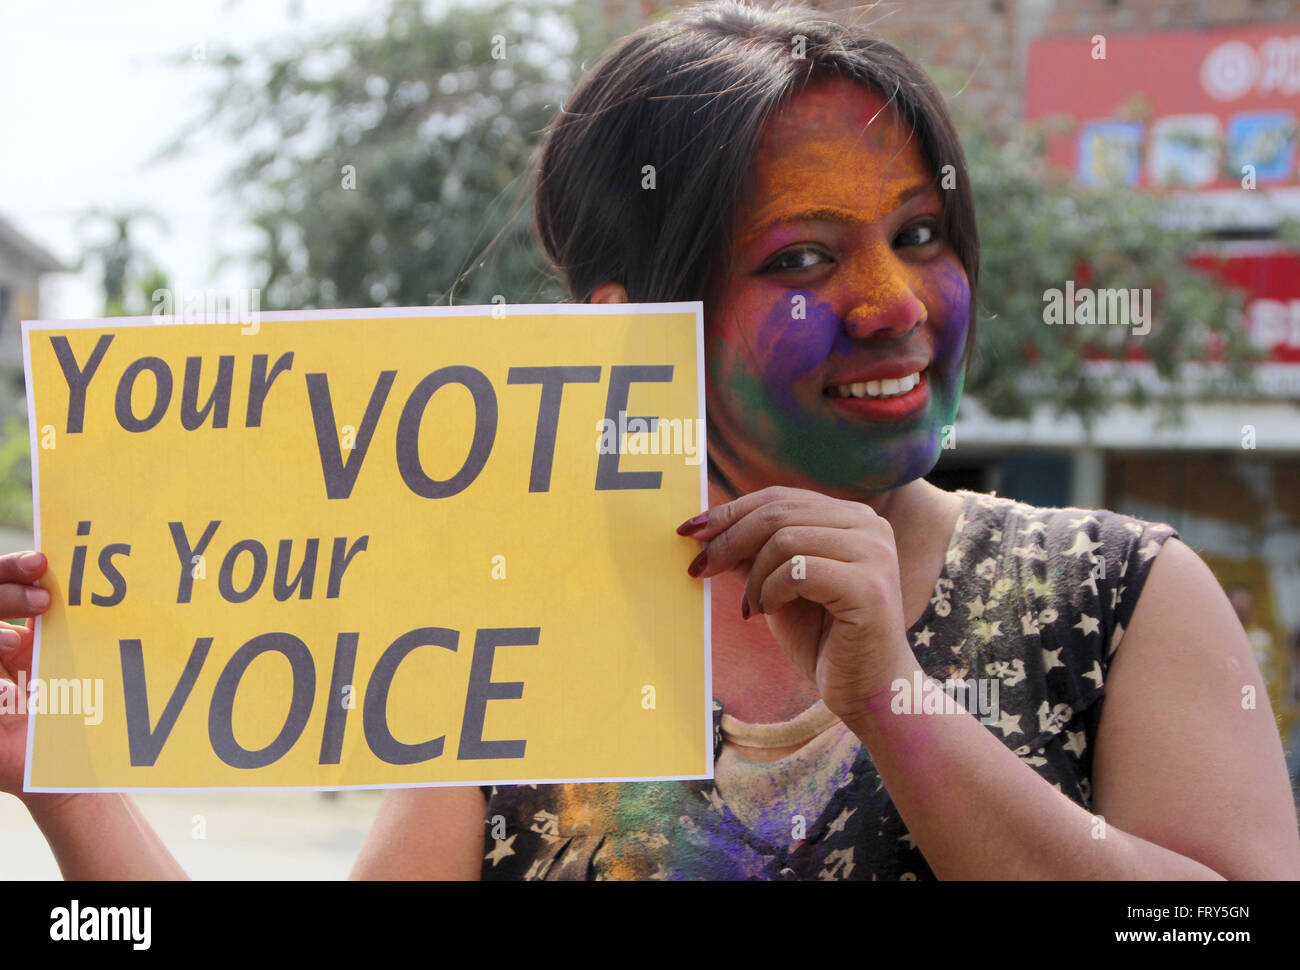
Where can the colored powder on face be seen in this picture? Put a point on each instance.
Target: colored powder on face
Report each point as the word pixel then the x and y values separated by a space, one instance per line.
pixel 956 296
pixel 778 398
pixel 767 364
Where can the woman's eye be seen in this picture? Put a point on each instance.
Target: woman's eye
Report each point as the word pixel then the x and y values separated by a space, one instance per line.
pixel 792 259
pixel 920 234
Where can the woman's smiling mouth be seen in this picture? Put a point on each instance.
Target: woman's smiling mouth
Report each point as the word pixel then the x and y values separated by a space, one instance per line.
pixel 891 387
pixel 884 399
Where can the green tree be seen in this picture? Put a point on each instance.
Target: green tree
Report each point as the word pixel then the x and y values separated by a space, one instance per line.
pixel 1038 229
pixel 127 274
pixel 15 473
pixel 379 162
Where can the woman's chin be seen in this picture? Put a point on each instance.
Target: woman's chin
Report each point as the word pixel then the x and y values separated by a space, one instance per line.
pixel 908 462
pixel 826 459
pixel 864 485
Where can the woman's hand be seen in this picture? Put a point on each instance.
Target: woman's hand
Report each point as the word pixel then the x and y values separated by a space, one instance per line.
pixel 19 597
pixel 825 573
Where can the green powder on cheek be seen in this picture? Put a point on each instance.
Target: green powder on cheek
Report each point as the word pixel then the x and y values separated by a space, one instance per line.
pixel 817 448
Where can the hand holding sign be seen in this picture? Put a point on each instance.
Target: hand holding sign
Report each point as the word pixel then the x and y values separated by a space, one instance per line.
pixel 18 597
pixel 825 573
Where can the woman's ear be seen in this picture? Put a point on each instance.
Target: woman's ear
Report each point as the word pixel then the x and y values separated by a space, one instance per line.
pixel 609 293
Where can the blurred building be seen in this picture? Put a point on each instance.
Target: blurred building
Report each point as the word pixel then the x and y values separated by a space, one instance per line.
pixel 1200 100
pixel 22 264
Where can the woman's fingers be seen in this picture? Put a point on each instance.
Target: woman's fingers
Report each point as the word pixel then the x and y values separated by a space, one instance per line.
pixel 749 530
pixel 18 597
pixel 710 522
pixel 15 634
pixel 825 581
pixel 15 649
pixel 788 551
pixel 16 600
pixel 18 570
pixel 22 567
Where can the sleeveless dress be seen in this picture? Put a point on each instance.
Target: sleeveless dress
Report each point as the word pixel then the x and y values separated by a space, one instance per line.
pixel 1036 598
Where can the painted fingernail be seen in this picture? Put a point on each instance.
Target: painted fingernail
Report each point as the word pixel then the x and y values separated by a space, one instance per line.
pixel 9 639
pixel 30 560
pixel 693 525
pixel 744 607
pixel 697 564
pixel 37 598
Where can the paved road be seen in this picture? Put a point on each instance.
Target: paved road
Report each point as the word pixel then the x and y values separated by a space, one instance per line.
pixel 248 835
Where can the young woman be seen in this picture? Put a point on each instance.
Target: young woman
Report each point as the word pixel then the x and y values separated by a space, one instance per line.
pixel 810 189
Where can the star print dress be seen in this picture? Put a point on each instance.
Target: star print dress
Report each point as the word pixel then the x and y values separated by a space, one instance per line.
pixel 1031 600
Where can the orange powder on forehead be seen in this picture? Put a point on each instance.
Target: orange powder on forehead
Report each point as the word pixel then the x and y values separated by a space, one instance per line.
pixel 834 145
pixel 834 152
pixel 830 172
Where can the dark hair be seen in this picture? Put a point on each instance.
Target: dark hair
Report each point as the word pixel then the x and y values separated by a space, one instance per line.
pixel 689 94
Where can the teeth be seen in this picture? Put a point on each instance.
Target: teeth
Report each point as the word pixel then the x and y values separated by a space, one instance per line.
pixel 888 388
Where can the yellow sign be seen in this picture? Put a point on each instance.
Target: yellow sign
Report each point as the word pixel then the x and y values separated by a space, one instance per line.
pixel 369 548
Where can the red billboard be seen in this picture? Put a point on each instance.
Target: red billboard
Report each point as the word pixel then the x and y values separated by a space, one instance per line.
pixel 1186 109
pixel 1207 110
pixel 1270 275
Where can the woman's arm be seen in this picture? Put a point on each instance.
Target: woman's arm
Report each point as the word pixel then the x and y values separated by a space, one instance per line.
pixel 1189 781
pixel 97 837
pixel 91 836
pixel 1190 784
pixel 1186 755
pixel 425 833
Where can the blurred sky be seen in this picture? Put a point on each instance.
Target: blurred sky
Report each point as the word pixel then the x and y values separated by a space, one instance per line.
pixel 87 96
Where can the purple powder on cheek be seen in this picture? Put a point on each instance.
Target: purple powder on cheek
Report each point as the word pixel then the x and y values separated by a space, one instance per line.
pixel 791 348
pixel 950 340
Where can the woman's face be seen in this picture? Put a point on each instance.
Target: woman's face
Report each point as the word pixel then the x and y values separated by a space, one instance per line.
pixel 840 278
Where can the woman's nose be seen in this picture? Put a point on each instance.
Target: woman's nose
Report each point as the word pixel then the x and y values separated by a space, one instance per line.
pixel 885 302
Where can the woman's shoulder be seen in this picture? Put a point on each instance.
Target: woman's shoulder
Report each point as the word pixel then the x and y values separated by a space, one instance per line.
pixel 990 506
pixel 1088 562
pixel 1110 542
pixel 1035 600
pixel 1041 593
